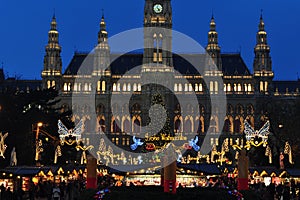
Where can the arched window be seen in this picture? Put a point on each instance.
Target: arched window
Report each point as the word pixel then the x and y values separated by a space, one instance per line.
pixel 177 125
pixel 175 87
pixel 249 88
pixel 196 87
pixel 200 87
pixel 136 126
pixel 65 87
pixel 180 87
pixel 237 125
pixel 216 87
pixel 187 126
pixel 186 87
pixel 98 86
pixel 114 87
pixel 48 84
pixel 239 87
pixel 103 86
pixel 190 87
pixel 115 127
pixel 245 87
pixel 124 87
pixel 75 87
pixel 139 87
pixel 102 125
pixel 261 89
pixel 128 87
pixel 134 87
pixel 228 87
pixel 211 87
pixel 126 126
pixel 266 86
pixel 53 84
pixel 86 87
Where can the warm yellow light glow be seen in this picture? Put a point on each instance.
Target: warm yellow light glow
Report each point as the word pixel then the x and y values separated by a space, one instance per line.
pixel 40 124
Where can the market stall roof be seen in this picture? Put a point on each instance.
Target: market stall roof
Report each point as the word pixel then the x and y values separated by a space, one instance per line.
pixel 266 171
pixel 22 170
pixel 210 169
pixel 293 172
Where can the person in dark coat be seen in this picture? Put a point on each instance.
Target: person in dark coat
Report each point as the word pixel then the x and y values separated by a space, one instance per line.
pixel 286 192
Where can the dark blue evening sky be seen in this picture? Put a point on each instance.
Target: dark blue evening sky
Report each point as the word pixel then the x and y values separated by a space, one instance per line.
pixel 25 24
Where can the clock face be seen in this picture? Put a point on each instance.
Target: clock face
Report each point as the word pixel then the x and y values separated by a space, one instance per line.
pixel 157 8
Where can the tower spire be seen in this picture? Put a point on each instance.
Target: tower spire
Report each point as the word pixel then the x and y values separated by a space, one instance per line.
pixel 262 62
pixel 261 25
pixel 102 35
pixel 102 51
pixel 213 48
pixel 52 59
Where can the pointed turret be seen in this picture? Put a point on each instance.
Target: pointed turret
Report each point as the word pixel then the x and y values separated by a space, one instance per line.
pixel 262 62
pixel 102 52
pixel 52 60
pixel 102 35
pixel 213 48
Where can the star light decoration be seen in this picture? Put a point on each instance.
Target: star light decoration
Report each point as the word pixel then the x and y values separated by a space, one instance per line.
pixel 251 134
pixel 3 146
pixel 76 132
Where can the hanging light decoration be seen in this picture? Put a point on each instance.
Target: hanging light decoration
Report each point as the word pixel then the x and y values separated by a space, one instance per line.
pixel 288 151
pixel 269 154
pixel 76 132
pixel 3 146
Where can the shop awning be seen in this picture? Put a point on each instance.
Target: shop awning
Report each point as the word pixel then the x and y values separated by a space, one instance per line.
pixel 293 172
pixel 209 169
pixel 22 171
pixel 266 171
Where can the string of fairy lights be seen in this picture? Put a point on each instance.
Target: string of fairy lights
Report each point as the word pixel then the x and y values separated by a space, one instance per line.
pixel 106 155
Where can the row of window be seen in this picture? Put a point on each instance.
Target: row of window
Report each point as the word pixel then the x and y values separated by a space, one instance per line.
pixel 86 87
pixel 187 87
pixel 188 125
pixel 127 87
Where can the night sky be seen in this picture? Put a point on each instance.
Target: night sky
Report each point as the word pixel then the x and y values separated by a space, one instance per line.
pixel 25 25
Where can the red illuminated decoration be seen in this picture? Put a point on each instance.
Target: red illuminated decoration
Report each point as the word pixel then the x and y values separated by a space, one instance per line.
pixel 150 146
pixel 187 146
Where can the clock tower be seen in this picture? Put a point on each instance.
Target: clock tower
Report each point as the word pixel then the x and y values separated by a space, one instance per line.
pixel 158 33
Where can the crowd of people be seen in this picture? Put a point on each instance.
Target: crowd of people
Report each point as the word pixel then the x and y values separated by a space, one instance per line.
pixel 46 190
pixel 71 190
pixel 285 191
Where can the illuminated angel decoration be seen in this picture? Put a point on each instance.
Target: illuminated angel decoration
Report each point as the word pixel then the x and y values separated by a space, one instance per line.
pixel 137 142
pixel 2 144
pixel 263 133
pixel 76 132
pixel 193 143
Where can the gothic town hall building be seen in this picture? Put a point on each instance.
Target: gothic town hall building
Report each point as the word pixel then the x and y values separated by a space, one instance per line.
pixel 248 94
